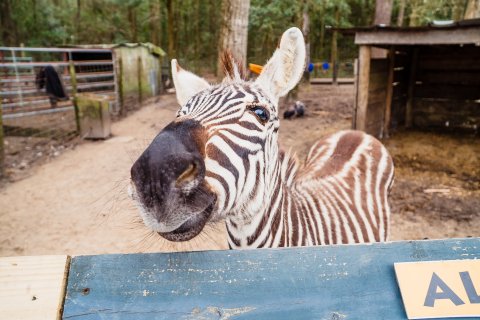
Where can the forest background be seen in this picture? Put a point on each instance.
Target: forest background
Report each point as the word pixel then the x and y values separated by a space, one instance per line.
pixel 189 30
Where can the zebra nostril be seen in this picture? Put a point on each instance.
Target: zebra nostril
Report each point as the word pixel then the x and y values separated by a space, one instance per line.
pixel 187 176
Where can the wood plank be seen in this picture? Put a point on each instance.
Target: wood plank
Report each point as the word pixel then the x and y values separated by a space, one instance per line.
pixel 32 287
pixel 378 65
pixel 468 78
pixel 431 113
pixel 398 111
pixel 323 282
pixel 452 107
pixel 446 91
pixel 378 81
pixel 330 81
pixel 411 88
pixel 376 115
pixel 400 89
pixel 421 37
pixel 447 64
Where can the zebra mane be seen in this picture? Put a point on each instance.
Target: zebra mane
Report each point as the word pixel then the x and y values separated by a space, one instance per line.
pixel 233 68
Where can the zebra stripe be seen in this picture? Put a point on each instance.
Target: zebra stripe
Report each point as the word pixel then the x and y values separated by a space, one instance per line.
pixel 268 200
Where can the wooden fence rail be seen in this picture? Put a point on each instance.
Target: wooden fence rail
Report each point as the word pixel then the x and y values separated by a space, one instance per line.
pixel 327 282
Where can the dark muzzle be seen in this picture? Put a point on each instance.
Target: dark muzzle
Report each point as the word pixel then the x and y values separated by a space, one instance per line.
pixel 169 180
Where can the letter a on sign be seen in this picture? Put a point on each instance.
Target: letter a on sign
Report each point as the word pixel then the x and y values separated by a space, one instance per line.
pixel 446 293
pixel 440 289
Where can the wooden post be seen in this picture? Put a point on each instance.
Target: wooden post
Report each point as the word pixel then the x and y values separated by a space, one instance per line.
pixel 73 81
pixel 363 84
pixel 2 145
pixel 411 87
pixel 389 95
pixel 139 74
pixel 334 59
pixel 334 54
pixel 121 97
pixel 355 89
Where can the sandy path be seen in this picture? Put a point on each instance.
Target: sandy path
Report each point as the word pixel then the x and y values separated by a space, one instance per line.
pixel 77 203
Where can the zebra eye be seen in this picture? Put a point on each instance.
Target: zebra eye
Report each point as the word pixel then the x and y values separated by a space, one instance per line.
pixel 260 112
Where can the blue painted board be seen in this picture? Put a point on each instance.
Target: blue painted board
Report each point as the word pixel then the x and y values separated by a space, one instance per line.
pixel 325 282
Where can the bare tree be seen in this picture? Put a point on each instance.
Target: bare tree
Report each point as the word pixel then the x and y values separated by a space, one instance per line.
pixel 306 35
pixel 473 9
pixel 234 30
pixel 383 16
pixel 7 24
pixel 154 21
pixel 401 13
pixel 171 30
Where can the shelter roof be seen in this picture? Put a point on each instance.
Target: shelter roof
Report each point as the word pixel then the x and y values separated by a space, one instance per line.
pixel 435 33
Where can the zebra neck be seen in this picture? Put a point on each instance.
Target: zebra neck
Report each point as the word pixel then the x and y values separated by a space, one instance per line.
pixel 261 222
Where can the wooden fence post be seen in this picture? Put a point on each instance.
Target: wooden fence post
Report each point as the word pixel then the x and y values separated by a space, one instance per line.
pixel 73 81
pixel 363 85
pixel 2 145
pixel 139 74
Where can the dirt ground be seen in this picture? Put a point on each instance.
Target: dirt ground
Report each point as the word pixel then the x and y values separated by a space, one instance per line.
pixel 76 201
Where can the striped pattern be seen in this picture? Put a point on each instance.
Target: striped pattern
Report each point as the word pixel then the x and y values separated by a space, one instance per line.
pixel 266 197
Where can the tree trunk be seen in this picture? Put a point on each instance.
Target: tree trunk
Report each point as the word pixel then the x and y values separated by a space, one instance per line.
pixel 171 30
pixel 7 23
pixel 234 30
pixel 322 37
pixel 458 10
pixel 154 21
pixel 473 9
pixel 334 54
pixel 306 33
pixel 132 19
pixel 196 43
pixel 77 19
pixel 401 13
pixel 383 16
pixel 415 13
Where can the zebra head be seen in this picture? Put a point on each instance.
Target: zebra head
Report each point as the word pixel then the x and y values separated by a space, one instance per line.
pixel 218 157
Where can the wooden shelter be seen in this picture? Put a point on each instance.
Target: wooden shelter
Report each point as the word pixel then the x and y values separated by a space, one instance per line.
pixel 428 78
pixel 138 68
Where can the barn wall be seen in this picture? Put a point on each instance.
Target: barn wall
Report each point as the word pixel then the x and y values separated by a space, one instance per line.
pixel 376 96
pixel 402 62
pixel 447 88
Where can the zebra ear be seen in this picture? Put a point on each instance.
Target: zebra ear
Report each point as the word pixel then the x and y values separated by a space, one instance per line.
pixel 285 68
pixel 186 83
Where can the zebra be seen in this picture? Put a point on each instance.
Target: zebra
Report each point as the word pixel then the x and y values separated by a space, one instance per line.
pixel 220 160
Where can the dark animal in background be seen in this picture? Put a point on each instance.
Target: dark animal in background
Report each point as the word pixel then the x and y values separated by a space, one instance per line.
pixel 47 77
pixel 297 109
pixel 290 112
pixel 300 108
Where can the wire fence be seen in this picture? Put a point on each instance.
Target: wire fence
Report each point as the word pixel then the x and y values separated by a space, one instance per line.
pixel 39 121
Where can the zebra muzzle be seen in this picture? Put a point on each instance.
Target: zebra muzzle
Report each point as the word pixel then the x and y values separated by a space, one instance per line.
pixel 169 179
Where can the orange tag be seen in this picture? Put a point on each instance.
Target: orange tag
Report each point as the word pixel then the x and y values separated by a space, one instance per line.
pixel 440 289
